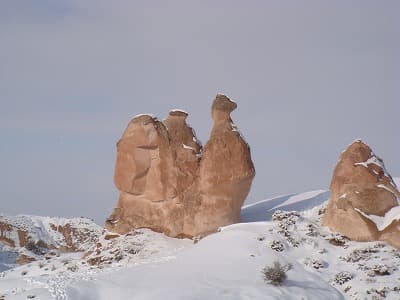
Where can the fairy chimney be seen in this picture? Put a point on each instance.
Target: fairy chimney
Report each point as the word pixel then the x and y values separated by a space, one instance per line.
pixel 169 184
pixel 363 197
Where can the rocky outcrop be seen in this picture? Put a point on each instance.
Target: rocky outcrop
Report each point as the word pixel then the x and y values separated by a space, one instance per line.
pixel 169 184
pixel 34 236
pixel 5 238
pixel 24 259
pixel 364 198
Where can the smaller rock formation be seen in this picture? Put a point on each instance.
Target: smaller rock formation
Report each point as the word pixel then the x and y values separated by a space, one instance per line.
pixel 364 198
pixel 169 184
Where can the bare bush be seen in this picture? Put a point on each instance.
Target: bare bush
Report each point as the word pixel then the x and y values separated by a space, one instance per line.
pixel 276 274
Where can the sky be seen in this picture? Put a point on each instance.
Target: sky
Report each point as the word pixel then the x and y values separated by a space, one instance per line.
pixel 309 77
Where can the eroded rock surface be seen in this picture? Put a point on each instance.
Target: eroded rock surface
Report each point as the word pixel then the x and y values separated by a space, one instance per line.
pixel 364 198
pixel 169 184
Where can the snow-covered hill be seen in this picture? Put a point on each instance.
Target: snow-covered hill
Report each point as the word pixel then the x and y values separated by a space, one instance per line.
pixel 224 265
pixel 25 238
pixel 263 210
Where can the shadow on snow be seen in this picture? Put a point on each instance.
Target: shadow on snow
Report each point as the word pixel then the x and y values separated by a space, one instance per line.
pixel 263 210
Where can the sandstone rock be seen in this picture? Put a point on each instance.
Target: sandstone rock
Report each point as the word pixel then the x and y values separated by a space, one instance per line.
pixel 225 175
pixel 151 162
pixel 169 185
pixel 5 229
pixel 143 158
pixel 391 234
pixel 24 259
pixel 186 150
pixel 362 192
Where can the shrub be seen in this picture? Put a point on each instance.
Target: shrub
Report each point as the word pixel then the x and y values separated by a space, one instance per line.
pixel 378 294
pixel 277 246
pixel 359 254
pixel 290 216
pixel 311 230
pixel 337 241
pixel 276 274
pixel 292 242
pixel 73 268
pixel 317 264
pixel 380 270
pixel 343 277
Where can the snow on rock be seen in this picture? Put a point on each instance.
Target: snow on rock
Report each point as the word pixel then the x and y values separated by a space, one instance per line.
pixel 188 147
pixel 375 160
pixel 143 115
pixel 363 178
pixel 178 110
pixel 383 222
pixel 386 188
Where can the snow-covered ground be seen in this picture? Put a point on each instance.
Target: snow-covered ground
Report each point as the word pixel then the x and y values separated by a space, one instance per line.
pixel 224 265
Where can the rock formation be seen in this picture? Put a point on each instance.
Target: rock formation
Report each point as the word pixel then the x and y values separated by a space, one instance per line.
pixel 38 235
pixel 186 150
pixel 225 175
pixel 169 184
pixel 364 198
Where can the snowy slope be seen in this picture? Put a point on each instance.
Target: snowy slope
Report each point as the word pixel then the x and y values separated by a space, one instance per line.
pixel 263 210
pixel 46 229
pixel 224 265
pixel 34 236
